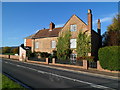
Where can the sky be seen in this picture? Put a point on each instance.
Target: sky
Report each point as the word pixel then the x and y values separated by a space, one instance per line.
pixel 21 19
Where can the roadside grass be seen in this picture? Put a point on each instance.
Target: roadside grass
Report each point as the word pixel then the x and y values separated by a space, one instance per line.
pixel 8 83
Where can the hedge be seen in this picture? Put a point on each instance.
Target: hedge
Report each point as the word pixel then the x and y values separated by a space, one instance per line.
pixel 109 58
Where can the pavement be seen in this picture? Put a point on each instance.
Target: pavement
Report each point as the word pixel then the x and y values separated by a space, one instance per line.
pixel 50 76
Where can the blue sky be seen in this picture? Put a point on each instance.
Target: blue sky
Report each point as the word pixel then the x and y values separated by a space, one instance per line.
pixel 22 19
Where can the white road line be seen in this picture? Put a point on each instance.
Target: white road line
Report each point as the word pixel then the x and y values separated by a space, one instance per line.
pixel 72 79
pixel 88 73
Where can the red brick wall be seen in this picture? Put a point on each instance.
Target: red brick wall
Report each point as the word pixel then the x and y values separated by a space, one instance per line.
pixel 29 42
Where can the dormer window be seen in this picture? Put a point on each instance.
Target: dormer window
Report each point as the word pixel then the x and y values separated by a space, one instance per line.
pixel 73 27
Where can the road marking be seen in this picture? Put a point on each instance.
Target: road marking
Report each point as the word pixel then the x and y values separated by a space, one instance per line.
pixel 74 71
pixel 72 79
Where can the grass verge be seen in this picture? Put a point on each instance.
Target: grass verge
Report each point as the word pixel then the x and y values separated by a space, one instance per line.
pixel 8 83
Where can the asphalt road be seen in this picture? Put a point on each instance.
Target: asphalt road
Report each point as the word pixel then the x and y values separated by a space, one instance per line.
pixel 41 76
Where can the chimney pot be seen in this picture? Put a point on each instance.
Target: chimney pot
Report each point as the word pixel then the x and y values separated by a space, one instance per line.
pixel 89 11
pixel 99 27
pixel 52 26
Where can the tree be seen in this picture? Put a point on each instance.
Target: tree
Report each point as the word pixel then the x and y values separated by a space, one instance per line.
pixel 6 50
pixel 115 26
pixel 112 36
pixel 15 50
pixel 83 44
pixel 63 46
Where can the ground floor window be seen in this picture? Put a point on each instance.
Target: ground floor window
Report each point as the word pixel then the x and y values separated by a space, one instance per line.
pixel 53 44
pixel 37 44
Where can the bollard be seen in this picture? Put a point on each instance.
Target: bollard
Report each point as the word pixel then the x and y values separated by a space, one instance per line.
pixel 47 61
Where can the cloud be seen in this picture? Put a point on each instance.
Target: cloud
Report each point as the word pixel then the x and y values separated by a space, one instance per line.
pixel 59 25
pixel 108 18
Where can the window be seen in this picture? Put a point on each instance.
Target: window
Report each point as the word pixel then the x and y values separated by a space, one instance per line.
pixel 72 43
pixel 73 28
pixel 53 44
pixel 37 44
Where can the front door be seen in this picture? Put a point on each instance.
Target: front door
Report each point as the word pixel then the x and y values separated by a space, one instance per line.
pixel 73 58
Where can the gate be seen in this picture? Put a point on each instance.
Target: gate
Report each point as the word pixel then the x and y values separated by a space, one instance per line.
pixel 73 58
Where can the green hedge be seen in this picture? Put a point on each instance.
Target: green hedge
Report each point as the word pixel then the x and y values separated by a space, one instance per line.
pixel 109 57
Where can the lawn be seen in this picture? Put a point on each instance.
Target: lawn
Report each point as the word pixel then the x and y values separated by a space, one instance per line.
pixel 8 83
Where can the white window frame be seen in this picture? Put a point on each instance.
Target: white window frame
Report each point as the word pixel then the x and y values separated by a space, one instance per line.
pixel 36 44
pixel 73 43
pixel 73 27
pixel 53 44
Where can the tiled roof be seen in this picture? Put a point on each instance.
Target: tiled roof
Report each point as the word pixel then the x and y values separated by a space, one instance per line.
pixel 46 33
pixel 29 37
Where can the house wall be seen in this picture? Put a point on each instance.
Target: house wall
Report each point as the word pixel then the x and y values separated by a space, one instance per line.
pixel 96 43
pixel 45 44
pixel 81 26
pixel 29 42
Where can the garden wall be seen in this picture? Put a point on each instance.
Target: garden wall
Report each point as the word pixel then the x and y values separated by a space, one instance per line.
pixel 9 56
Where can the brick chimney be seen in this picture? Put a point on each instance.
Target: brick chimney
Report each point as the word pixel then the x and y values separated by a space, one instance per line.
pixel 99 27
pixel 52 26
pixel 89 19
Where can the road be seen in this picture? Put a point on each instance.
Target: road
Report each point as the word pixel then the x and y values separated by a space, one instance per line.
pixel 41 76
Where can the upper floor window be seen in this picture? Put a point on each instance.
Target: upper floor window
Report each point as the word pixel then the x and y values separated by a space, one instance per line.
pixel 53 44
pixel 73 27
pixel 72 43
pixel 37 44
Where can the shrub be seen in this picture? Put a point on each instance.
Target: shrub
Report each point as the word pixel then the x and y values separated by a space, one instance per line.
pixel 44 54
pixel 54 54
pixel 109 57
pixel 30 54
pixel 83 44
pixel 63 46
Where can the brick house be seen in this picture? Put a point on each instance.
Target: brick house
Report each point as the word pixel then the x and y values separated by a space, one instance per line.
pixel 28 41
pixel 45 40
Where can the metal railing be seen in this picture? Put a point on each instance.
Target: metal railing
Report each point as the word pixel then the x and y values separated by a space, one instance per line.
pixel 92 64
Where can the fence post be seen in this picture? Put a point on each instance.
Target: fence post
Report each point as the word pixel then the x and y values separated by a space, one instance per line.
pixel 47 62
pixel 85 64
pixel 9 56
pixel 53 60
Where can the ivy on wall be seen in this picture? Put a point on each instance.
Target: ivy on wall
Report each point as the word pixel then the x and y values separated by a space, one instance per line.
pixel 63 46
pixel 83 44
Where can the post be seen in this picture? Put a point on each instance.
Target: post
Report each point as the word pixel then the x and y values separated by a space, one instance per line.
pixel 53 60
pixel 47 61
pixel 85 64
pixel 99 66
